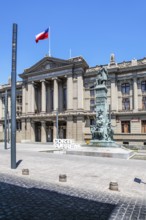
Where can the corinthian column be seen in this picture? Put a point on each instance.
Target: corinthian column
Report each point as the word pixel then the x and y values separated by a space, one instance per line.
pixel 23 99
pixel 55 94
pixel 31 97
pixel 43 96
pixel 135 95
pixel 43 131
pixel 80 92
pixel 114 100
pixel 69 93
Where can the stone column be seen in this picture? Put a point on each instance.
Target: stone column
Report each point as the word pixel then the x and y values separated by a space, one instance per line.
pixel 55 94
pixel 119 94
pixel 23 129
pixel 43 97
pixel 135 94
pixel 80 92
pixel 31 99
pixel 23 99
pixel 80 134
pixel 43 132
pixel 69 127
pixel 28 129
pixel 74 129
pixel 114 94
pixel 69 93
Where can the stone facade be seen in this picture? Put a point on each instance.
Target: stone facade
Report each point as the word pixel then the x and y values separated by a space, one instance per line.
pixel 63 90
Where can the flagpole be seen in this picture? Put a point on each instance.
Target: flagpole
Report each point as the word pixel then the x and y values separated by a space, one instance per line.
pixel 49 41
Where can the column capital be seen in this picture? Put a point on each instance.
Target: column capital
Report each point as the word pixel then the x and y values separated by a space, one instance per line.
pixel 42 80
pixel 43 96
pixel 55 94
pixel 54 78
pixel 134 79
pixel 43 122
pixel 32 122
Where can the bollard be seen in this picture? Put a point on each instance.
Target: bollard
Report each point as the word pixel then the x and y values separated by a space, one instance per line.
pixel 113 186
pixel 25 171
pixel 62 178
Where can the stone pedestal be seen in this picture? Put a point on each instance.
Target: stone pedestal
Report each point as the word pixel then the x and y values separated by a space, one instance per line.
pixel 101 99
pixel 102 133
pixel 98 143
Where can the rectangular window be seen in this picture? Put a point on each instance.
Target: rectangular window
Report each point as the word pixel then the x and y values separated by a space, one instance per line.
pixel 144 103
pixel 92 102
pixel 125 126
pixel 143 126
pixel 18 126
pixel 125 104
pixel 92 108
pixel 92 93
pixel 143 86
pixel 125 88
pixel 19 99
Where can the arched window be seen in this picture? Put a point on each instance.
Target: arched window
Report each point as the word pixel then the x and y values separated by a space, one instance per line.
pixel 125 88
pixel 143 86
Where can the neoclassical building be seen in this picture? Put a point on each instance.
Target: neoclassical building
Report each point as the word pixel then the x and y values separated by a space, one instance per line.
pixel 56 99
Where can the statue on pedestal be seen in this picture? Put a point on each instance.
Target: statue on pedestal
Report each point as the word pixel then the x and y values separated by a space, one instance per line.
pixel 102 130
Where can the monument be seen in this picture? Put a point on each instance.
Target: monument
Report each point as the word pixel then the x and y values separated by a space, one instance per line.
pixel 102 143
pixel 102 132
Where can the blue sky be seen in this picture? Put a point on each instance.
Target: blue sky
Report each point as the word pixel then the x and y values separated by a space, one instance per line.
pixel 93 29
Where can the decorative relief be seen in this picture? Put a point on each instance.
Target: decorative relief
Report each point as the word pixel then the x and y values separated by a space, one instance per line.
pixel 124 64
pixel 142 61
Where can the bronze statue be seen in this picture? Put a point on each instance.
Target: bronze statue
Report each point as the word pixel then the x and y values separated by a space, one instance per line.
pixel 102 76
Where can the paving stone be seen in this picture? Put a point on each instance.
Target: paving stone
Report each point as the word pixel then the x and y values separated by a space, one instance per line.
pixel 36 197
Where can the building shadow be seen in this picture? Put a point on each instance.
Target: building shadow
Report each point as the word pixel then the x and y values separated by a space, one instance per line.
pixel 18 163
pixel 40 204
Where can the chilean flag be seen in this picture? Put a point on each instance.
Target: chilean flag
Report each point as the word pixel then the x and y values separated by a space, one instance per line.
pixel 41 36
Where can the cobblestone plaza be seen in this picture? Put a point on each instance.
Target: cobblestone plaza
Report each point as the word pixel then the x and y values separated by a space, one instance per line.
pixel 85 195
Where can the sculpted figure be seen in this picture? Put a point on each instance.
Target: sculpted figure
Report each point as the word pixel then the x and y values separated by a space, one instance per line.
pixel 102 76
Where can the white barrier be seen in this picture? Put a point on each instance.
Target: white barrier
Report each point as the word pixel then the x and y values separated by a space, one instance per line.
pixel 65 143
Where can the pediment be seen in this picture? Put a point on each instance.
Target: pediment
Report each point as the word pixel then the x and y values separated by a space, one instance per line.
pixel 46 64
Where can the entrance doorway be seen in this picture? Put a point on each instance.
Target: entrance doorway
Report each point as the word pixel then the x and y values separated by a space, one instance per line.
pixel 62 130
pixel 49 131
pixel 38 131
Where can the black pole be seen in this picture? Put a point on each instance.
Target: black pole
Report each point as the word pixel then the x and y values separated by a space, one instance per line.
pixel 13 98
pixel 6 110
